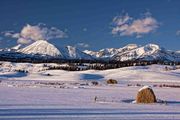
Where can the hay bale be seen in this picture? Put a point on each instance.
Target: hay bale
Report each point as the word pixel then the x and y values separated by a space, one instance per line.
pixel 111 81
pixel 146 95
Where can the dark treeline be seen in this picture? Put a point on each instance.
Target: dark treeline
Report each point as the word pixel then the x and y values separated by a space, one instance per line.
pixel 75 65
pixel 98 65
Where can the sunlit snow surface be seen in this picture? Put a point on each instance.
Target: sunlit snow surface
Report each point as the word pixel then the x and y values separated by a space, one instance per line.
pixel 22 97
pixel 152 73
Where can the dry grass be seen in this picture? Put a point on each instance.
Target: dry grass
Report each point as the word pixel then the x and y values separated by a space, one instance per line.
pixel 146 96
pixel 171 86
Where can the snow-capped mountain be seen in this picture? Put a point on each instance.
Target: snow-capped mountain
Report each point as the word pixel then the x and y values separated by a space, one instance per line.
pixel 147 52
pixel 103 53
pixel 139 52
pixel 41 47
pixel 14 48
pixel 135 52
pixel 129 52
pixel 17 47
pixel 75 53
pixel 108 53
pixel 44 48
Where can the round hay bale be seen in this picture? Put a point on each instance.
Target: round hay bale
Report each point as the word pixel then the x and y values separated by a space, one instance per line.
pixel 111 81
pixel 146 95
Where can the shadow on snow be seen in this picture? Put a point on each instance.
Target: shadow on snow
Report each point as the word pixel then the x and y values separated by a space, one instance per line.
pixel 91 77
pixel 18 74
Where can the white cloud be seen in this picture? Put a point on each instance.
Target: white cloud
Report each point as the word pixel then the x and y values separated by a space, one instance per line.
pixel 178 33
pixel 120 20
pixel 24 41
pixel 82 45
pixel 1 38
pixel 11 34
pixel 84 29
pixel 125 25
pixel 31 33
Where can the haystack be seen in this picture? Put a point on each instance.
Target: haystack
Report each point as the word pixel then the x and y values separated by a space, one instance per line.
pixel 146 95
pixel 111 81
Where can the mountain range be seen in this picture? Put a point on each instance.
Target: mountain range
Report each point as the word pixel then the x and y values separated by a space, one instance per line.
pixel 43 48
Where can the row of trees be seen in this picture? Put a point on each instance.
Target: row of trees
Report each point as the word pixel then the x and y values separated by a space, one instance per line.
pixel 76 65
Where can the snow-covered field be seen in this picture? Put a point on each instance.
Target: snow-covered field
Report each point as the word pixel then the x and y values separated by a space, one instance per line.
pixel 153 73
pixel 62 95
pixel 113 102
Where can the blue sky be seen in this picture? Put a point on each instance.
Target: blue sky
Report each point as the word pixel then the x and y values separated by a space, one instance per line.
pixel 89 23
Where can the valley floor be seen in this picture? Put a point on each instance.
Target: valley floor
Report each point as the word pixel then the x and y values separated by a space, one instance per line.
pixel 36 96
pixel 113 102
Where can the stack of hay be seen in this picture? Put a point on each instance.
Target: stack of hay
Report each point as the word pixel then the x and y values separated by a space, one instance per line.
pixel 146 95
pixel 111 81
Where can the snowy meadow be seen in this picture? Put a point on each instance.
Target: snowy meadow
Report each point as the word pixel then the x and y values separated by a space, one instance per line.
pixel 39 93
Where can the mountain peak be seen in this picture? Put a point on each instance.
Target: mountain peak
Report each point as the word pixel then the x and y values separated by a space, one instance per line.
pixel 75 53
pixel 131 46
pixel 135 52
pixel 41 47
pixel 149 51
pixel 129 52
pixel 17 47
pixel 153 46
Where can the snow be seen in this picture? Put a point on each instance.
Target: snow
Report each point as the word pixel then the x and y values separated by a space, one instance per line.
pixel 41 47
pixel 78 103
pixel 17 47
pixel 74 53
pixel 130 46
pixel 145 87
pixel 140 52
pixel 147 52
pixel 133 51
pixel 152 73
pixel 58 94
pixel 108 53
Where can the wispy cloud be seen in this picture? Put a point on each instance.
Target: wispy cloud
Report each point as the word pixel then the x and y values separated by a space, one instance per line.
pixel 82 45
pixel 125 25
pixel 178 33
pixel 31 33
pixel 84 29
pixel 1 38
pixel 11 34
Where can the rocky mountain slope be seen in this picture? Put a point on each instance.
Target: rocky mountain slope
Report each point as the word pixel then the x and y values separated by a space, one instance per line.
pixel 45 48
pixel 129 52
pixel 135 52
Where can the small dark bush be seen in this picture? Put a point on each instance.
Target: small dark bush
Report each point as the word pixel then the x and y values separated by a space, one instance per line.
pixel 48 74
pixel 111 81
pixel 94 83
pixel 22 71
